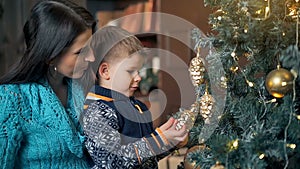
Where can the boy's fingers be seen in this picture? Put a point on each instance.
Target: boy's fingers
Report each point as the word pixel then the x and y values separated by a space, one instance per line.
pixel 167 125
pixel 182 131
pixel 179 133
pixel 174 124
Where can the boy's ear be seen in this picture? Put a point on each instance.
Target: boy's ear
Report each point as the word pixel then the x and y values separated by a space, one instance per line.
pixel 103 71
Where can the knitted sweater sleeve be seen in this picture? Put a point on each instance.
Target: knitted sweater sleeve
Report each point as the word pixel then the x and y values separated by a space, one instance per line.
pixel 10 128
pixel 104 141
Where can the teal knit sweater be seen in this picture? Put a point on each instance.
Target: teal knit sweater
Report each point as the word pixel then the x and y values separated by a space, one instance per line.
pixel 36 131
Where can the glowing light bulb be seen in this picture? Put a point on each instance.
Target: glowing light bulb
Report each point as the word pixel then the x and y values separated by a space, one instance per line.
pixel 261 156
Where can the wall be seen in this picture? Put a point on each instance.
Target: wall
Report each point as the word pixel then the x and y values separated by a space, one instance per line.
pixel 194 12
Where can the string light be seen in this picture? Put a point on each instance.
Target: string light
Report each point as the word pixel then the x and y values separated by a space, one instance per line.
pixel 261 156
pixel 292 146
pixel 292 106
pixel 250 84
pixel 233 54
pixel 235 143
pixel 234 69
pixel 272 101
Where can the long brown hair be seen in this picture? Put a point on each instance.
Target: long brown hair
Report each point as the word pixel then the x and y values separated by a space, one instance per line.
pixel 51 28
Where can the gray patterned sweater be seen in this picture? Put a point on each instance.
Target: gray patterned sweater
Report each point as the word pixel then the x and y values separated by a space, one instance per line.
pixel 119 132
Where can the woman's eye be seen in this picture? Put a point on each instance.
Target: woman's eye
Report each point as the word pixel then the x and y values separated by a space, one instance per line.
pixel 82 51
pixel 78 52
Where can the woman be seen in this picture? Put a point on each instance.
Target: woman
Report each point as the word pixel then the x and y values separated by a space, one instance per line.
pixel 39 126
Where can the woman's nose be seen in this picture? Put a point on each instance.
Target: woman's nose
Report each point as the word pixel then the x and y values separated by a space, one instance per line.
pixel 90 57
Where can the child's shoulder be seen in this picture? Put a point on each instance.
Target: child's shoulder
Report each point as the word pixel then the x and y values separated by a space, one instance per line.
pixel 141 104
pixel 99 104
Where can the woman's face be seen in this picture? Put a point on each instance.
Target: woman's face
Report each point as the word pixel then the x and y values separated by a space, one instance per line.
pixel 73 63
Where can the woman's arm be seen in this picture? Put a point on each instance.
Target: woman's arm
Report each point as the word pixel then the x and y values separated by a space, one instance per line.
pixel 10 128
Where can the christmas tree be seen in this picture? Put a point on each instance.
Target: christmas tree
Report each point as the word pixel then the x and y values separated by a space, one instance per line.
pixel 258 126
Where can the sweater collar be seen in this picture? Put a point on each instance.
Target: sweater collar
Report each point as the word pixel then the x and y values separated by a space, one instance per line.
pixel 99 92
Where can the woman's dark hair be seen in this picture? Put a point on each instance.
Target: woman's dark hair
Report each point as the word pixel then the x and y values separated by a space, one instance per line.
pixel 50 30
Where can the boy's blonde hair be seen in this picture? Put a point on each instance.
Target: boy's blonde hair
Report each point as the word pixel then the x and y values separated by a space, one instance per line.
pixel 111 43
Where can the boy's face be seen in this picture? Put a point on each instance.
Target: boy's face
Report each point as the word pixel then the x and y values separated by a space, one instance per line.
pixel 124 74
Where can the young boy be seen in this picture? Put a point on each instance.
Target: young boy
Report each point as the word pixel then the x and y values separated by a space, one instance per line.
pixel 118 127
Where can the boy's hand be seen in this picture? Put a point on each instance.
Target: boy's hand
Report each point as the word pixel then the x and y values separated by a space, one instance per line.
pixel 183 143
pixel 174 136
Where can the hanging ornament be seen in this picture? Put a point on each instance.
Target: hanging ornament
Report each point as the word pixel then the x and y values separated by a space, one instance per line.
pixel 192 164
pixel 292 7
pixel 197 70
pixel 206 105
pixel 279 82
pixel 259 10
pixel 218 165
pixel 188 117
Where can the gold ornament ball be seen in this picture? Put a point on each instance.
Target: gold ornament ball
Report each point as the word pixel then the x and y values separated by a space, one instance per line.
pixel 279 82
